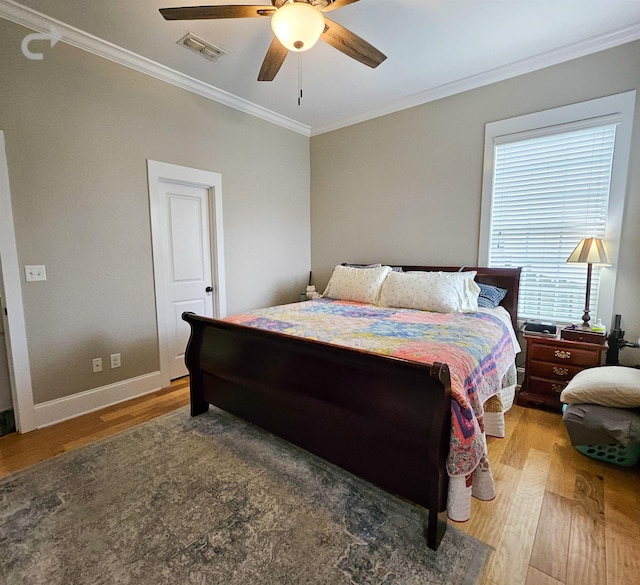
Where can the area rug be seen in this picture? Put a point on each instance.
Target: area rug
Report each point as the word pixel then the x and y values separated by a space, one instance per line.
pixel 213 499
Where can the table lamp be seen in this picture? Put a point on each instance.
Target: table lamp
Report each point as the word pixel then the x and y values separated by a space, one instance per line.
pixel 591 251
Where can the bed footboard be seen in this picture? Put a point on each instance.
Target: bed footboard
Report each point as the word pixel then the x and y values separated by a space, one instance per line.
pixel 384 419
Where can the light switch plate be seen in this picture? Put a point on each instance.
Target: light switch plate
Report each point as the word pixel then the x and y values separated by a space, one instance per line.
pixel 34 273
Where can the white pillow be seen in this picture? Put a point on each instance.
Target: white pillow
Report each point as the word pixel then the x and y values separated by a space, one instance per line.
pixel 615 386
pixel 442 292
pixel 356 284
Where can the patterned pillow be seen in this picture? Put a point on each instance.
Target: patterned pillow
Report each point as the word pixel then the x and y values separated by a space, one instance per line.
pixel 354 284
pixel 490 296
pixel 442 292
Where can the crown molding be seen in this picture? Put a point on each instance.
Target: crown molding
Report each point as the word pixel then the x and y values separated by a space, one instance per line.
pixel 589 46
pixel 29 18
pixel 75 37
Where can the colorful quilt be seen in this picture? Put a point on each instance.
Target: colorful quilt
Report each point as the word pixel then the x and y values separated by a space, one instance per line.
pixel 477 347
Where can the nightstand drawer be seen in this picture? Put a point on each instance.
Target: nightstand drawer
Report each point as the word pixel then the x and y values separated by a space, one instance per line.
pixel 562 355
pixel 554 371
pixel 550 388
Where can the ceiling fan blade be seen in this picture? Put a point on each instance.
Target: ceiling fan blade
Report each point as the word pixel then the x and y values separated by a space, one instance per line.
pixel 333 5
pixel 273 60
pixel 203 12
pixel 351 44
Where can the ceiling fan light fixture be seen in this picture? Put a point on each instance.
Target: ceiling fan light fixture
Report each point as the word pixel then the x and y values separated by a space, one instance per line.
pixel 298 25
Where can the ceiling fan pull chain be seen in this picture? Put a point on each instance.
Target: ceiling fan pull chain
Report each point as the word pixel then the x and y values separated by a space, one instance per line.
pixel 299 77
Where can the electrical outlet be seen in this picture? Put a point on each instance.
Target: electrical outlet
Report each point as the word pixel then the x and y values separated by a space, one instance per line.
pixel 34 273
pixel 97 365
pixel 115 360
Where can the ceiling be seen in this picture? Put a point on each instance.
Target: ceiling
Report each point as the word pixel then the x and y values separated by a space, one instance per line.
pixel 434 48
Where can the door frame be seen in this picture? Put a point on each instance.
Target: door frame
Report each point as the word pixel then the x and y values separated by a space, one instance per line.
pixel 14 321
pixel 160 172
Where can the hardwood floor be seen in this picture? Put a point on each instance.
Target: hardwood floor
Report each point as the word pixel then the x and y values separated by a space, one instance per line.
pixel 558 518
pixel 20 451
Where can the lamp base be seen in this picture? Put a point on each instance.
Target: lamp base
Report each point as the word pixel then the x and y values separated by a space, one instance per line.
pixel 586 318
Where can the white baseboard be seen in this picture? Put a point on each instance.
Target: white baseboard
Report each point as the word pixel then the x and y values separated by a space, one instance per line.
pixel 55 411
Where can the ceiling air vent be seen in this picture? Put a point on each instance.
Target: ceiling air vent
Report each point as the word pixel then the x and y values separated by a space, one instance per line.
pixel 201 46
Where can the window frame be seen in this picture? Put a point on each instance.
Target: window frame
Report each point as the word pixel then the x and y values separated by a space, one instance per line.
pixel 619 107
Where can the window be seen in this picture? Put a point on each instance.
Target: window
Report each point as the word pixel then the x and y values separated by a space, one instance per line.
pixel 551 179
pixel 548 193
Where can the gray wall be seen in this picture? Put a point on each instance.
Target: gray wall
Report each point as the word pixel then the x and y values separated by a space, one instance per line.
pixel 406 188
pixel 402 188
pixel 78 132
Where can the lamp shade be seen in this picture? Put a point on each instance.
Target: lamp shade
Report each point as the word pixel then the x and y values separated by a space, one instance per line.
pixel 590 251
pixel 297 25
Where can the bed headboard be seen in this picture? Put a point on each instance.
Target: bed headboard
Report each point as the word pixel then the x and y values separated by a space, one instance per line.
pixel 507 278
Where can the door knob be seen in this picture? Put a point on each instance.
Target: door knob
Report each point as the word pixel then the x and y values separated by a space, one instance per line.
pixel 208 289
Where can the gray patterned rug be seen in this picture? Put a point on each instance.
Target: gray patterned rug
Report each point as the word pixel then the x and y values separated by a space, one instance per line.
pixel 212 499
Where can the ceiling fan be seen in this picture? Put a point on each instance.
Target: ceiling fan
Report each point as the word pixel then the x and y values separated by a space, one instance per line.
pixel 297 25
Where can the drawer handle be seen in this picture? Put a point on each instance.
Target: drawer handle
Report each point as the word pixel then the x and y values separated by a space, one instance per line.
pixel 563 355
pixel 557 388
pixel 560 371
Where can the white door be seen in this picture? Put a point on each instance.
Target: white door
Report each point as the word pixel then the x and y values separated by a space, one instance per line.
pixel 187 263
pixel 186 224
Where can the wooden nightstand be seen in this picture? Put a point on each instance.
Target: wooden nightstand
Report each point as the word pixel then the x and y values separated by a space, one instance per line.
pixel 551 363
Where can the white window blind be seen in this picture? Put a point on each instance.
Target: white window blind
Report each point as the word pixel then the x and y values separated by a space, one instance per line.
pixel 550 190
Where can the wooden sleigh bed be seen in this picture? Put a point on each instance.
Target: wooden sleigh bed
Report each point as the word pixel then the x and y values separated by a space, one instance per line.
pixel 385 419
